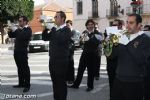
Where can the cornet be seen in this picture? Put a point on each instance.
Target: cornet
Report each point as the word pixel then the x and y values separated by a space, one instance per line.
pixel 84 37
pixel 11 26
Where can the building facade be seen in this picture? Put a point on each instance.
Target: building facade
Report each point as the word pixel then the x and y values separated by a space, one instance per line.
pixel 35 23
pixel 48 10
pixel 105 11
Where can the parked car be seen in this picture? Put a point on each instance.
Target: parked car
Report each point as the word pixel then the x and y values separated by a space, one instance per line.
pixel 76 38
pixel 37 44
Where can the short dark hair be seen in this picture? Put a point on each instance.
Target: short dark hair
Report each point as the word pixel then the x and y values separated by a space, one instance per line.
pixel 147 27
pixel 62 14
pixel 90 21
pixel 119 22
pixel 24 18
pixel 138 18
pixel 69 21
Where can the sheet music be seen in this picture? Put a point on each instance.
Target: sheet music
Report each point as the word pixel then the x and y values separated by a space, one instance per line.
pixel 112 30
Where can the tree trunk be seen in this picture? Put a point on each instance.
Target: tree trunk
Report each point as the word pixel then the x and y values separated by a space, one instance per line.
pixel 2 32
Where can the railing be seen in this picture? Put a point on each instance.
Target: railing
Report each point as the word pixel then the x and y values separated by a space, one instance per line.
pixel 142 9
pixel 111 13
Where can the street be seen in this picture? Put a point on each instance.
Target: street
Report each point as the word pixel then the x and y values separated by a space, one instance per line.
pixel 41 84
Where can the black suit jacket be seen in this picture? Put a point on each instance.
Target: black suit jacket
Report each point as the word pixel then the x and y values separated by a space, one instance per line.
pixel 59 42
pixel 133 59
pixel 91 46
pixel 22 38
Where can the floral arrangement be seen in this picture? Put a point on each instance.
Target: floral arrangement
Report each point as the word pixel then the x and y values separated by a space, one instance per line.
pixel 136 2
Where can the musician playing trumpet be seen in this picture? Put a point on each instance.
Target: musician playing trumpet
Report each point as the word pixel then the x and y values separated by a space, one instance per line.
pixel 91 39
pixel 22 37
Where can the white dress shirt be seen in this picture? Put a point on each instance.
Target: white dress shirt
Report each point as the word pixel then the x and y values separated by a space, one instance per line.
pixel 124 39
pixel 60 27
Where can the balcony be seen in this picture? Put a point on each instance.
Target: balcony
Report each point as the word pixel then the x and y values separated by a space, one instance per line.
pixel 142 9
pixel 111 13
pixel 93 15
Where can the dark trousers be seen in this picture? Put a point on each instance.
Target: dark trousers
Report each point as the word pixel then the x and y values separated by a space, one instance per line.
pixel 127 90
pixel 86 60
pixel 147 88
pixel 70 71
pixel 97 67
pixel 111 71
pixel 21 59
pixel 58 69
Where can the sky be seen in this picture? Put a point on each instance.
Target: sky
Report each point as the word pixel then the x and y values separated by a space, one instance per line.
pixel 67 3
pixel 38 2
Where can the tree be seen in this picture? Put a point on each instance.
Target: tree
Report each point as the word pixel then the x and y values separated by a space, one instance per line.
pixel 12 9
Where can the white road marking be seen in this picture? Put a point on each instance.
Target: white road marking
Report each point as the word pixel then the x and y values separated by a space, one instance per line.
pixel 44 94
pixel 99 88
pixel 41 65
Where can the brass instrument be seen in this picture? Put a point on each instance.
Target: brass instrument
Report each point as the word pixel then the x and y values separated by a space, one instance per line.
pixel 11 26
pixel 84 37
pixel 108 44
pixel 112 40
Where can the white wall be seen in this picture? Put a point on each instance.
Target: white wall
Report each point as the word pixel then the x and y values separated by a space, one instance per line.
pixel 146 1
pixel 102 7
pixel 103 21
pixel 79 20
pixel 64 3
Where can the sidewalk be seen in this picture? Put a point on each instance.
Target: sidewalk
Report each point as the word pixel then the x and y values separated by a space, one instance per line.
pixel 6 48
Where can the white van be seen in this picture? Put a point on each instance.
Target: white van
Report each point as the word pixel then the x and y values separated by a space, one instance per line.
pixel 37 44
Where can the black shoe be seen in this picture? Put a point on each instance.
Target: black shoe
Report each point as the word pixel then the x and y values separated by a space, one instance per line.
pixel 96 78
pixel 26 90
pixel 18 86
pixel 70 82
pixel 73 86
pixel 89 89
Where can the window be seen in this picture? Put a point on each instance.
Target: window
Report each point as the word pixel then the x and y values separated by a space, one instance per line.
pixel 36 37
pixel 79 7
pixel 114 7
pixel 95 8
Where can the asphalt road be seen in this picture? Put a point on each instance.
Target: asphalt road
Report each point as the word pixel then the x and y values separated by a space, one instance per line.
pixel 41 85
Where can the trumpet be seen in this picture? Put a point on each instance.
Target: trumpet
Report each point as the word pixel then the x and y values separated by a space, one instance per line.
pixel 84 37
pixel 112 40
pixel 11 26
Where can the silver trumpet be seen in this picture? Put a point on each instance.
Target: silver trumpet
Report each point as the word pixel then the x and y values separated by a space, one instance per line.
pixel 84 37
pixel 11 26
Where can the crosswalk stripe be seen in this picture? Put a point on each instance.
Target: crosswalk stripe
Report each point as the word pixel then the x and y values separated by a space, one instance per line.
pixel 4 74
pixel 40 72
pixel 7 73
pixel 41 65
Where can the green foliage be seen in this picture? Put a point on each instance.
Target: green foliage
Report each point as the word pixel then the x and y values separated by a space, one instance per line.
pixel 12 9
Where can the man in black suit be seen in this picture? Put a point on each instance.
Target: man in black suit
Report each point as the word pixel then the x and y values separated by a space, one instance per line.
pixel 147 78
pixel 70 72
pixel 91 39
pixel 22 37
pixel 59 38
pixel 112 63
pixel 133 53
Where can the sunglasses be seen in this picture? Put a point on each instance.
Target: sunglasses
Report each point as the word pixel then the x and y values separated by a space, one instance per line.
pixel 56 16
pixel 20 20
